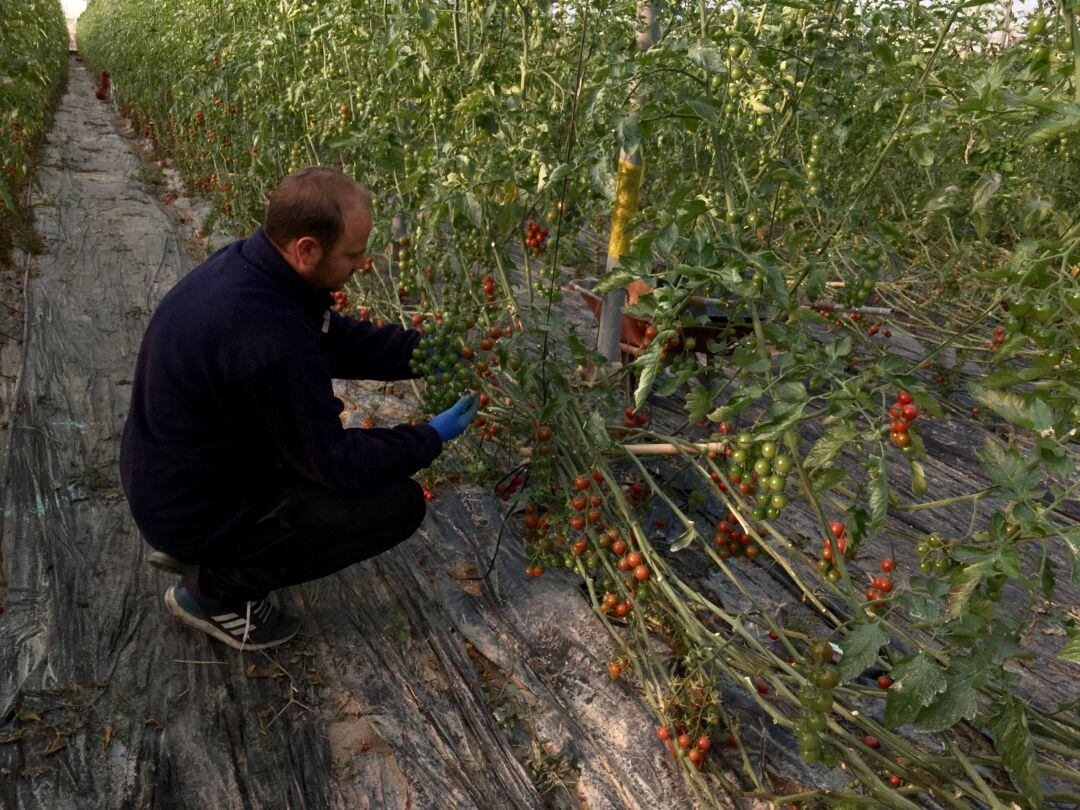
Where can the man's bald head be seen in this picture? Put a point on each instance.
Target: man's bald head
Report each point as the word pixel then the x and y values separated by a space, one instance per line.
pixel 314 202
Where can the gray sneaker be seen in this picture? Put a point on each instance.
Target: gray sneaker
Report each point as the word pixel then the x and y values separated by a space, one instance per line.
pixel 246 626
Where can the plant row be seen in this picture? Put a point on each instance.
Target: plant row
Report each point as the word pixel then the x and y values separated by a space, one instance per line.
pixel 855 229
pixel 33 61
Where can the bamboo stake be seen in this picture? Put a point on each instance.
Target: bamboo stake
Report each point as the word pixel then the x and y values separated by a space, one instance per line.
pixel 627 183
pixel 657 449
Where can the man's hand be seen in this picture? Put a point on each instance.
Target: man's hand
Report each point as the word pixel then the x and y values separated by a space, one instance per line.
pixel 451 423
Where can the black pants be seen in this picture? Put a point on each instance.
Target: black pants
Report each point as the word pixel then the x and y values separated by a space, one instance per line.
pixel 307 533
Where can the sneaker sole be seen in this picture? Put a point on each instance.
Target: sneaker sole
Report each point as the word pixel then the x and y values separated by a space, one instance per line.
pixel 191 621
pixel 170 565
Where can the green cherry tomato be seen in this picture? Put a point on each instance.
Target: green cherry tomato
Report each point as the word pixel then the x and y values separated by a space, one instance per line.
pixel 828 678
pixel 783 465
pixel 1044 312
pixel 1044 340
pixel 739 457
pixel 768 450
pixel 776 483
pixel 821 652
pixel 816 721
pixel 762 467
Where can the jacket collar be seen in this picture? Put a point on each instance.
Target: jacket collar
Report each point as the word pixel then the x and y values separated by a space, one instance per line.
pixel 261 253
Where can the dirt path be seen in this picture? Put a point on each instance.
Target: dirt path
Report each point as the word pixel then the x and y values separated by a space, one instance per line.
pixel 410 686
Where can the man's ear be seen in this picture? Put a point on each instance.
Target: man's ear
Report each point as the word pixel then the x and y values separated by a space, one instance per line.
pixel 308 251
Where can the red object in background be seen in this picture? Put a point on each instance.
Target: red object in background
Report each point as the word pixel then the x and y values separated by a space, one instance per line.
pixel 633 337
pixel 103 90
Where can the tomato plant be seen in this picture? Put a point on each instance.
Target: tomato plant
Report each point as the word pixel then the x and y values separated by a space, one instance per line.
pixel 866 210
pixel 33 59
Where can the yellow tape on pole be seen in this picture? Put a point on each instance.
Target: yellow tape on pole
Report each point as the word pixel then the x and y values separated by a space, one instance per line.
pixel 627 183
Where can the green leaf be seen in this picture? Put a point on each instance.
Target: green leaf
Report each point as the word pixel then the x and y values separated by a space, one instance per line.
pixel 1065 119
pixel 1071 536
pixel 824 480
pixel 649 365
pixel 777 283
pixel 859 648
pixel 829 447
pixel 1034 415
pixel 707 55
pixel 1071 651
pixel 785 419
pixel 1018 479
pixel 745 396
pixel 838 348
pixel 984 190
pixel 615 279
pixel 879 493
pixel 919 606
pixel 960 700
pixel 1046 576
pixel 684 540
pixel 473 209
pixel 916 682
pixel 791 391
pixel 673 382
pixel 598 430
pixel 964 582
pixel 699 401
pixel 666 239
pixel 918 479
pixel 1012 739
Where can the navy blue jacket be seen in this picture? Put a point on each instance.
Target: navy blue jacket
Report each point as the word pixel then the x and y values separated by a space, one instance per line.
pixel 232 388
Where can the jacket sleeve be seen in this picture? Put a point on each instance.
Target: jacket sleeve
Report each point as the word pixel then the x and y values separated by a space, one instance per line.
pixel 294 402
pixel 360 350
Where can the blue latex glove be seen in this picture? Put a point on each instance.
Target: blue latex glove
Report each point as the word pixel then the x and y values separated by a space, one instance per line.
pixel 451 423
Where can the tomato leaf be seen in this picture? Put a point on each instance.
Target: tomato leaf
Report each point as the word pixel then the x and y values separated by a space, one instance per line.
pixel 919 606
pixel 918 479
pixel 685 539
pixel 787 416
pixel 1046 576
pixel 964 582
pixel 1012 739
pixel 960 699
pixel 829 447
pixel 826 479
pixel 879 493
pixel 598 429
pixel 859 648
pixel 1071 536
pixel 1071 651
pixel 699 401
pixel 916 682
pixel 984 190
pixel 473 209
pixel 649 365
pixel 1034 415
pixel 707 55
pixel 1018 479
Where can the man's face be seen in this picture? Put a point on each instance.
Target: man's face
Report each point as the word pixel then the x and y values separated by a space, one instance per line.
pixel 337 266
